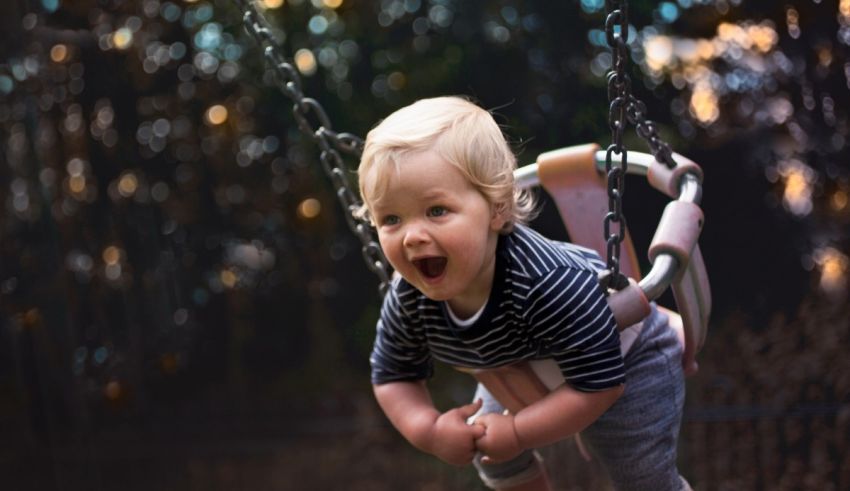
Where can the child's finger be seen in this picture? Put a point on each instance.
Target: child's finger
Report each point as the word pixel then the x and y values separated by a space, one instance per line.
pixel 478 430
pixel 487 460
pixel 484 419
pixel 471 408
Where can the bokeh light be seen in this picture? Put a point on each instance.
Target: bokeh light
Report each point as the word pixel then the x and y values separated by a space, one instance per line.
pixel 833 270
pixel 113 390
pixel 59 53
pixel 305 61
pixel 111 255
pixel 128 184
pixel 271 4
pixel 122 38
pixel 839 200
pixel 77 184
pixel 309 208
pixel 704 106
pixel 228 278
pixel 690 64
pixel 216 115
pixel 798 180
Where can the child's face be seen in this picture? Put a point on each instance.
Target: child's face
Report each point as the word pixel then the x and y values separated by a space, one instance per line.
pixel 438 231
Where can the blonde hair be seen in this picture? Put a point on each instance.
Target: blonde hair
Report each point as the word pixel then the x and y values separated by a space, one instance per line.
pixel 460 132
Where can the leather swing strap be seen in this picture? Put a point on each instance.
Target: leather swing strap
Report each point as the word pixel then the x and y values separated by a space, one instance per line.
pixel 580 192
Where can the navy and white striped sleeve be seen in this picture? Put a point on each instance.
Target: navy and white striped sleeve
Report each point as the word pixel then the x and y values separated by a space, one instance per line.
pixel 570 318
pixel 400 351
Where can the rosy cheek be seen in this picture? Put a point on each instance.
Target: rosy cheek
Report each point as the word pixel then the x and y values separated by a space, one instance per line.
pixel 393 252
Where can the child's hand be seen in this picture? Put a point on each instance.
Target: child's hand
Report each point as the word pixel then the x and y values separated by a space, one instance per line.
pixel 499 442
pixel 452 439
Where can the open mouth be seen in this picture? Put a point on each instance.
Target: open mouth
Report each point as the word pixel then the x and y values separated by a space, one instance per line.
pixel 431 267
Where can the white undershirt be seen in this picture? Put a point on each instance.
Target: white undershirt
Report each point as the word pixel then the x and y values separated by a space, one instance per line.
pixel 464 322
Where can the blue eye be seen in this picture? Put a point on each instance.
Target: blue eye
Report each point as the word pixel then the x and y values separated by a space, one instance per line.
pixel 390 220
pixel 437 211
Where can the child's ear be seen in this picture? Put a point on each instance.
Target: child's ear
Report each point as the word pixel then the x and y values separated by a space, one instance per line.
pixel 498 216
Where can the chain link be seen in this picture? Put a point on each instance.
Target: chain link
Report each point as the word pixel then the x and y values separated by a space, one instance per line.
pixel 306 109
pixel 646 129
pixel 619 88
pixel 624 108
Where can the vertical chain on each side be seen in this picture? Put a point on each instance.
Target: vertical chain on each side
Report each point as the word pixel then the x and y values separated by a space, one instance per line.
pixel 330 143
pixel 623 108
pixel 619 95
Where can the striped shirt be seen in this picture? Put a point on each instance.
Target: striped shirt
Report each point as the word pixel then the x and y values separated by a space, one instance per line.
pixel 545 302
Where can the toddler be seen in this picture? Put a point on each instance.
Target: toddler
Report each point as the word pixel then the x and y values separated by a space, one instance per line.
pixel 478 289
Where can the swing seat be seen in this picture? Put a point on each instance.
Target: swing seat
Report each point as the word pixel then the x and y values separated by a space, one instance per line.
pixel 573 178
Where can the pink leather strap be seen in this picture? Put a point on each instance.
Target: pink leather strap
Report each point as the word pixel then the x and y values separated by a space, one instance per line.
pixel 514 386
pixel 570 177
pixel 667 180
pixel 677 232
pixel 629 305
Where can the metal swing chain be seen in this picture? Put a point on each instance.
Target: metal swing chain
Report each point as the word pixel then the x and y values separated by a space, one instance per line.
pixel 623 108
pixel 330 142
pixel 619 91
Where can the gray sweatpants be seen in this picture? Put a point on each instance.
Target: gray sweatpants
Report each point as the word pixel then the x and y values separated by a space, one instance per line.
pixel 636 439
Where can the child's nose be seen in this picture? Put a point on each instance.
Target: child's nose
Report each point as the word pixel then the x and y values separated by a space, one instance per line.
pixel 415 235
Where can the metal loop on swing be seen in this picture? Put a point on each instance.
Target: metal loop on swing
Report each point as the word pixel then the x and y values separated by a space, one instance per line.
pixel 344 142
pixel 349 143
pixel 617 115
pixel 290 80
pixel 635 110
pixel 616 18
pixel 609 157
pixel 301 109
pixel 614 239
pixel 256 28
pixel 618 85
pixel 337 175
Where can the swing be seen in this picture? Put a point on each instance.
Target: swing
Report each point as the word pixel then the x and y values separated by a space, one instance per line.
pixel 586 184
pixel 573 177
